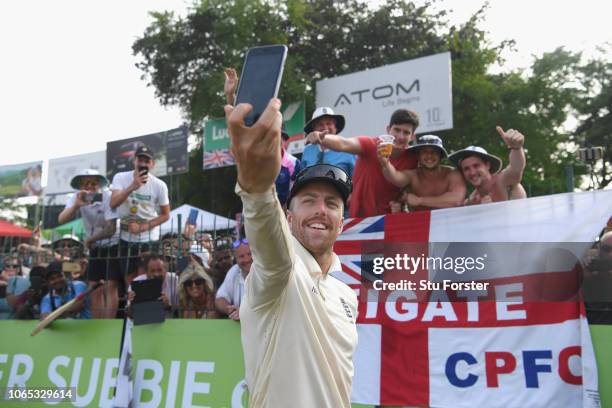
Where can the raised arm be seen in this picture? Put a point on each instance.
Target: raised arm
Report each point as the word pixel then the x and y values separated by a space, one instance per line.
pixel 69 212
pixel 257 151
pixel 229 87
pixel 392 175
pixel 513 174
pixel 335 142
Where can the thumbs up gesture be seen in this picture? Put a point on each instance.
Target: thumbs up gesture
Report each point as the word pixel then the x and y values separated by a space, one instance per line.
pixel 512 138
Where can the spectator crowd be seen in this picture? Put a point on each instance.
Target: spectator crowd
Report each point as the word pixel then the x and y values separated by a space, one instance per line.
pixel 202 274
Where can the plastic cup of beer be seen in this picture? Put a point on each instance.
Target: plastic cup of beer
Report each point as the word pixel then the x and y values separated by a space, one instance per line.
pixel 386 142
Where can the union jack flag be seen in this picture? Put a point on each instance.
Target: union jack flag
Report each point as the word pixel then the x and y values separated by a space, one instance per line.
pixel 218 158
pixel 348 247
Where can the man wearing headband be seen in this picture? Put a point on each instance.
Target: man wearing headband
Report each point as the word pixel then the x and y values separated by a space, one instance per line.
pixel 485 174
pixel 297 321
pixel 430 185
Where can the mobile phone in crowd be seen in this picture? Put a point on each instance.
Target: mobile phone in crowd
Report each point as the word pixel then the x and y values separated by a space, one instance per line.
pixel 70 267
pixel 142 170
pixel 93 197
pixel 261 78
pixel 193 217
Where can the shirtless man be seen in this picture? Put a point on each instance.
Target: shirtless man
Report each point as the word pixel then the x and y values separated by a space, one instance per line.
pixel 430 185
pixel 482 170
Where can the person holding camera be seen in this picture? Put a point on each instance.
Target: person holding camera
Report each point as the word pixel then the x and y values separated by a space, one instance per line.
pixel 142 203
pixel 92 202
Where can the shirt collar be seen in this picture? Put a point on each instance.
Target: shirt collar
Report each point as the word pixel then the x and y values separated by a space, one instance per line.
pixel 311 264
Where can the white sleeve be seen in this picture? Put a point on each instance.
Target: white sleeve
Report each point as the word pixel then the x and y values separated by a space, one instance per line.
pixel 269 237
pixel 163 194
pixel 225 290
pixel 109 213
pixel 119 182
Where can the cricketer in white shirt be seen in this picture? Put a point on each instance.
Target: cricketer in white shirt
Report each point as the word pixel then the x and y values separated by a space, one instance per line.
pixel 297 322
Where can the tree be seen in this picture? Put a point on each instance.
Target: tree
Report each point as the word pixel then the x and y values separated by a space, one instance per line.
pixel 595 108
pixel 183 58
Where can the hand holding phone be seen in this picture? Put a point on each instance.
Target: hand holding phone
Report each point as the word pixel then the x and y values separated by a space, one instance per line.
pixel 141 177
pixel 260 79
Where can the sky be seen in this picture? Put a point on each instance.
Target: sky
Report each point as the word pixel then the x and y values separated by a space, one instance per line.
pixel 68 81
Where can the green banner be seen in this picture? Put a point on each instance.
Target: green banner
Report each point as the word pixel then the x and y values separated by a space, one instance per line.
pixel 179 363
pixel 215 135
pixel 189 363
pixel 71 353
pixel 216 138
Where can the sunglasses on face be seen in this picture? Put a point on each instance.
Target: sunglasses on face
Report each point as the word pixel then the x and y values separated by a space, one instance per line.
pixel 239 242
pixel 197 282
pixel 14 266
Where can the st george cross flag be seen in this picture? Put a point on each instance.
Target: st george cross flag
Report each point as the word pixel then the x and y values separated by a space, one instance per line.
pixel 502 347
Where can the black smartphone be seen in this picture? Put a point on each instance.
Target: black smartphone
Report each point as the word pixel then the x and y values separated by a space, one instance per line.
pixel 261 78
pixel 142 170
pixel 2 292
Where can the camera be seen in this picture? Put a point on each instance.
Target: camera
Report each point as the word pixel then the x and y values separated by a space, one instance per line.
pixel 93 197
pixel 590 154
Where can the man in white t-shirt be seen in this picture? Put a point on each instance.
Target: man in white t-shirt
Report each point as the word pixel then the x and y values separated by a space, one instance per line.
pixel 142 204
pixel 229 295
pixel 101 238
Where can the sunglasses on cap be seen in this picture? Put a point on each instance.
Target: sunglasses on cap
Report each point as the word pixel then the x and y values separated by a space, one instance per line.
pixel 326 173
pixel 191 282
pixel 239 242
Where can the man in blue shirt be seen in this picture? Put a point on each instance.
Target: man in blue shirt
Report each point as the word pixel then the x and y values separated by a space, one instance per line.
pixel 62 291
pixel 326 122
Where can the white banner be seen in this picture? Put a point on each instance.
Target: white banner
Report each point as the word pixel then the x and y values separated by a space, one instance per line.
pixel 63 169
pixel 368 98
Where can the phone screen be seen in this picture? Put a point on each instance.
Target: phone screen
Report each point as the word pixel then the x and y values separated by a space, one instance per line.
pixel 193 217
pixel 261 78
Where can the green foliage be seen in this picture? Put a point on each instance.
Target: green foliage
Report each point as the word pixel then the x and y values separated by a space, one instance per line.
pixel 183 58
pixel 12 211
pixel 595 107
